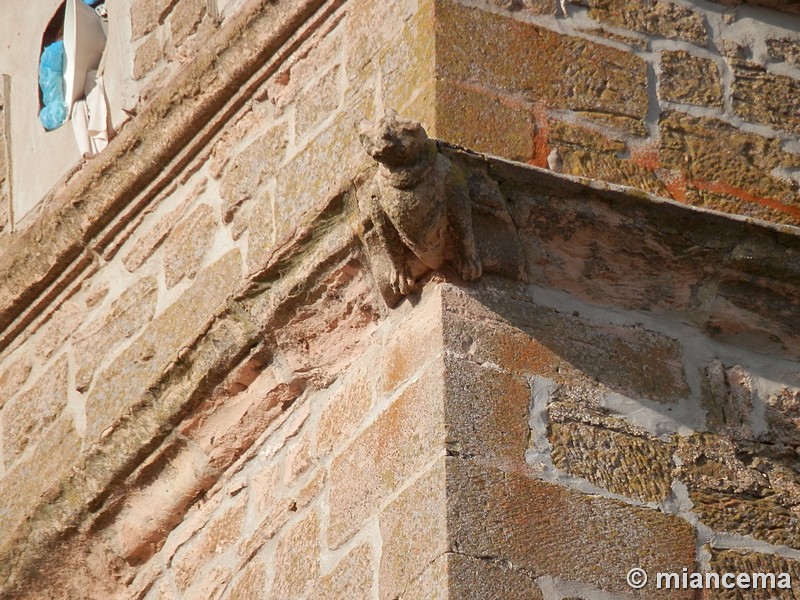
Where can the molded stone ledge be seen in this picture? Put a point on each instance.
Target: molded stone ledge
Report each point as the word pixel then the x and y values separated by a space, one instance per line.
pixel 82 216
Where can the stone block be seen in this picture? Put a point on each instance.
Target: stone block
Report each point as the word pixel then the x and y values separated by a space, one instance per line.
pixel 737 162
pixel 188 244
pixel 148 54
pixel 662 18
pixel 250 583
pixel 631 466
pixel 689 79
pixel 218 535
pixel 296 559
pixel 250 170
pixel 472 578
pixel 433 584
pixel 129 376
pixel 130 312
pixel 169 484
pixel 783 416
pixel 351 578
pixel 59 326
pixel 185 18
pixel 27 417
pixel 319 101
pixel 762 518
pixel 12 377
pixel 398 444
pixel 589 154
pixel 484 49
pixel 743 561
pixel 307 179
pixel 406 65
pixel 212 585
pixel 484 122
pixel 144 245
pixel 365 40
pixel 546 529
pixel 343 413
pixel 411 345
pixel 147 14
pixel 414 532
pixel 731 204
pixel 37 475
pixel 486 413
pixel 766 98
pixel 784 50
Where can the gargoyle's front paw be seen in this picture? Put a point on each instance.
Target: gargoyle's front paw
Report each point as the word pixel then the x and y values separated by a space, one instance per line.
pixel 401 283
pixel 471 268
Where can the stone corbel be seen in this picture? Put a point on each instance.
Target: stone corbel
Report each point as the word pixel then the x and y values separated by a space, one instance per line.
pixel 425 212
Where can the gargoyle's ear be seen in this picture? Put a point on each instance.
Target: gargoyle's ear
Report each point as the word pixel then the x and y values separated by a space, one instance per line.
pixel 368 133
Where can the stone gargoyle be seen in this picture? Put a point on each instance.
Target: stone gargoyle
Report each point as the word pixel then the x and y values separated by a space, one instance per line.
pixel 419 207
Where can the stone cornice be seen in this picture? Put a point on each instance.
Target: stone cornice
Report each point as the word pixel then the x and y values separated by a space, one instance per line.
pixel 735 279
pixel 86 213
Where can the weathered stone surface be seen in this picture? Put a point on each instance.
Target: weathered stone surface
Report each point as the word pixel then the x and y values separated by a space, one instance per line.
pixel 742 561
pixel 147 14
pixel 215 537
pixel 307 180
pixel 485 49
pixel 318 101
pixel 343 412
pixel 766 98
pixel 476 578
pixel 784 50
pixel 185 18
pixel 587 153
pixel 433 584
pixel 352 577
pixel 666 19
pixel 630 466
pixel 728 400
pixel 60 325
pixel 411 345
pixel 12 377
pixel 484 123
pixel 297 558
pixel 128 377
pixel 250 583
pixel 26 417
pixel 147 243
pixel 36 475
pixel 730 204
pixel 187 245
pixel 762 518
pixel 712 151
pixel 563 533
pixel 486 412
pixel 153 508
pixel 245 177
pixel 407 63
pixel 414 532
pixel 783 416
pixel 396 446
pixel 147 56
pixel 536 7
pixel 126 315
pixel 689 79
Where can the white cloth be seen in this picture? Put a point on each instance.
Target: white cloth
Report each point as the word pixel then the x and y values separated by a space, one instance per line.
pixel 90 117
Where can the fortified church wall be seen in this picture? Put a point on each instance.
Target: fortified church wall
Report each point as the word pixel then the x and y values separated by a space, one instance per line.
pixel 220 376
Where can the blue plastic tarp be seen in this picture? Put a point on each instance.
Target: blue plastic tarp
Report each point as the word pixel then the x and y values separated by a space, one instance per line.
pixel 51 82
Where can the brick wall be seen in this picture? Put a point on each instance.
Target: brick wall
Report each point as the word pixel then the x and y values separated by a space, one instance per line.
pixel 695 103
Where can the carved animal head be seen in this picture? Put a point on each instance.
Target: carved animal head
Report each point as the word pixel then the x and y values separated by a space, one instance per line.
pixel 394 141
